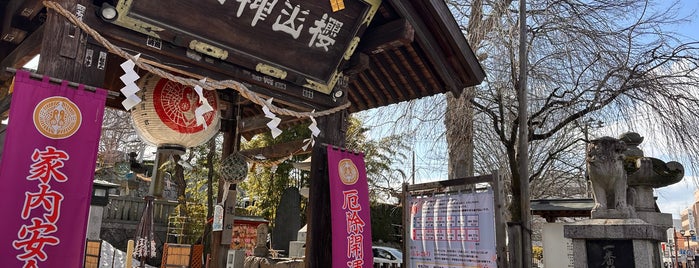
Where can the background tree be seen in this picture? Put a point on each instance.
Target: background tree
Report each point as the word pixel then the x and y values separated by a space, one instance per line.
pixel 588 61
pixel 192 175
pixel 380 155
pixel 195 189
pixel 265 184
pixel 607 60
pixel 117 139
pixel 478 18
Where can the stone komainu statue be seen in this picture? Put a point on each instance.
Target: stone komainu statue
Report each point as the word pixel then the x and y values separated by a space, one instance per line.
pixel 605 169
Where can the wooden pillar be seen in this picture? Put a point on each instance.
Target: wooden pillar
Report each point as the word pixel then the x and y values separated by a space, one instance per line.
pixel 498 185
pixel 65 50
pixel 319 233
pixel 220 240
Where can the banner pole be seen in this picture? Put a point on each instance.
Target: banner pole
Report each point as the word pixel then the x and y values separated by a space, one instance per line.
pixel 112 94
pixel 129 253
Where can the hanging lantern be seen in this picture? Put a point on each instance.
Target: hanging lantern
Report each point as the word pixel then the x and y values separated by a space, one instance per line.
pixel 234 168
pixel 166 117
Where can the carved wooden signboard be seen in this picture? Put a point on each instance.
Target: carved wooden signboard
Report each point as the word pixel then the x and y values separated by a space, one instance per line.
pixel 299 41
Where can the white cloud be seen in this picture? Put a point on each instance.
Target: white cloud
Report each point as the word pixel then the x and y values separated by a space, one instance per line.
pixel 676 197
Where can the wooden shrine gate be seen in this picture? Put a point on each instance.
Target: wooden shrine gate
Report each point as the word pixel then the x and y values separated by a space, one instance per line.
pixel 315 59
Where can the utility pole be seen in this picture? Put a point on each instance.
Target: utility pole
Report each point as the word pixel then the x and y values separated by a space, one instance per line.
pixel 523 146
pixel 413 171
pixel 674 236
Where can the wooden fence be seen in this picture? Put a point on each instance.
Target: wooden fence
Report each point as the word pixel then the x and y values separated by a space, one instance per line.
pixel 131 209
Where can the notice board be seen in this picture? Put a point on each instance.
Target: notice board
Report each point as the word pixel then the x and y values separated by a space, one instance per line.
pixel 452 228
pixel 455 223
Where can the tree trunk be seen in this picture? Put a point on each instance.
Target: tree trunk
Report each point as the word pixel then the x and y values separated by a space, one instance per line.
pixel 459 115
pixel 459 126
pixel 181 186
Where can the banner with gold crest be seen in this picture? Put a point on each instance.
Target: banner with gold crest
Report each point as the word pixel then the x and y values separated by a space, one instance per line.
pixel 349 210
pixel 47 168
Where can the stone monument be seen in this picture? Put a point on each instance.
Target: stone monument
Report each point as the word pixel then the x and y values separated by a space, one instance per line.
pixel 288 216
pixel 625 227
pixel 261 249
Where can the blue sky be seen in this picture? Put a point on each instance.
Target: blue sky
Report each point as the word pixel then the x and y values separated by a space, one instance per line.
pixel 690 31
pixel 674 198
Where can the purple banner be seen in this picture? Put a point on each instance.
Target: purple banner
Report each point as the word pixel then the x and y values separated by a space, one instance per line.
pixel 349 210
pixel 47 168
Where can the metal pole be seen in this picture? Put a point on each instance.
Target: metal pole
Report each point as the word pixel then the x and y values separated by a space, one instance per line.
pixel 686 251
pixel 674 237
pixel 523 146
pixel 412 174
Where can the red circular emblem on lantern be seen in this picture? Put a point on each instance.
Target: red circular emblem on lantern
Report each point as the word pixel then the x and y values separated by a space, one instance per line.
pixel 175 105
pixel 166 116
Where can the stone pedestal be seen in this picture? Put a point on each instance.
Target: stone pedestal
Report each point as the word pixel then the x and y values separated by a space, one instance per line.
pixel 663 220
pixel 94 222
pixel 615 243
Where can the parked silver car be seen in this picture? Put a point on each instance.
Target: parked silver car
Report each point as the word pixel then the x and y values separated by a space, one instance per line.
pixel 387 255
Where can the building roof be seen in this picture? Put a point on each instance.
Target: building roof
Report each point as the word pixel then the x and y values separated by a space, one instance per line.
pixel 550 209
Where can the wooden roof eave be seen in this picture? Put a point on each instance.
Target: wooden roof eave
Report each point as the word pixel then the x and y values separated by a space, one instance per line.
pixel 445 44
pixel 424 31
pixel 24 52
